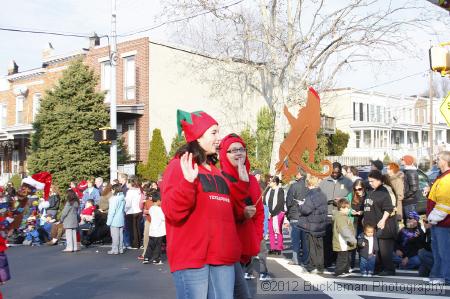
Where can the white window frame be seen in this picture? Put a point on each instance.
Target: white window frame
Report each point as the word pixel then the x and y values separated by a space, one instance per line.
pixel 36 104
pixel 129 78
pixel 15 161
pixel 131 146
pixel 20 107
pixel 3 115
pixel 105 79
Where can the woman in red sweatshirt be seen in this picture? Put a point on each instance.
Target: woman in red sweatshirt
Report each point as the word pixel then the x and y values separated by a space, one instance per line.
pixel 248 208
pixel 202 242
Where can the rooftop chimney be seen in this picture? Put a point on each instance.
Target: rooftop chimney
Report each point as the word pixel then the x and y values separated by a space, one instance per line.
pixel 13 68
pixel 48 51
pixel 94 41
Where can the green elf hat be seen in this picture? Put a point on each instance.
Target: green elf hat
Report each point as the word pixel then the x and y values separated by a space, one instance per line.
pixel 193 124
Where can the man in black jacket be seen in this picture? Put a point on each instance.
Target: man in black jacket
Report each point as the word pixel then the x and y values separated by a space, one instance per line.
pixel 411 188
pixel 296 193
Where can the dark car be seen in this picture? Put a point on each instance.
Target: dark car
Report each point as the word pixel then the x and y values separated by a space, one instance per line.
pixel 424 181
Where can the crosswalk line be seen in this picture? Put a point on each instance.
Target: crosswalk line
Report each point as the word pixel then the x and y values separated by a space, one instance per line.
pixel 319 279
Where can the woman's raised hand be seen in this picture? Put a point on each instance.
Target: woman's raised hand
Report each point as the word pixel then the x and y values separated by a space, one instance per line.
pixel 190 173
pixel 243 174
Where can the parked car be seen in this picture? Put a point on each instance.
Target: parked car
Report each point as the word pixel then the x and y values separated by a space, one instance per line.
pixel 424 181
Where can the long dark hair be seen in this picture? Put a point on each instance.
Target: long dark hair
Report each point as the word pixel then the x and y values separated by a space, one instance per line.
pixel 198 153
pixel 71 197
pixel 355 197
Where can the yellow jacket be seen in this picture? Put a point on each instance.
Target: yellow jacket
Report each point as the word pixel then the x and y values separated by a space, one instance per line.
pixel 439 200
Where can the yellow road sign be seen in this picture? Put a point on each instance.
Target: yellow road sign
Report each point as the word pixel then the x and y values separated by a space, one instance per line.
pixel 445 109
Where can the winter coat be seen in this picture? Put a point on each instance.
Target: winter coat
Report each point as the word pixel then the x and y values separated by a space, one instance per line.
pixel 398 186
pixel 93 194
pixel 53 202
pixel 363 246
pixel 69 215
pixel 297 191
pixel 343 233
pixel 313 213
pixel 377 202
pixel 411 186
pixel 104 202
pixel 333 189
pixel 132 201
pixel 356 206
pixel 268 198
pixel 438 203
pixel 116 216
pixel 410 240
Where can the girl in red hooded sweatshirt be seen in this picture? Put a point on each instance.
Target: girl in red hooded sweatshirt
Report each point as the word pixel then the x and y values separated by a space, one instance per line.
pixel 248 208
pixel 202 242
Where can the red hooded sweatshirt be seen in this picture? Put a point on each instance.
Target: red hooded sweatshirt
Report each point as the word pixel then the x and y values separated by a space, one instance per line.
pixel 200 224
pixel 250 231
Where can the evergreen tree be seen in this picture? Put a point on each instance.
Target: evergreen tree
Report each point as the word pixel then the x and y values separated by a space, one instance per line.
pixel 177 142
pixel 157 158
pixel 122 152
pixel 264 139
pixel 250 142
pixel 63 141
pixel 338 142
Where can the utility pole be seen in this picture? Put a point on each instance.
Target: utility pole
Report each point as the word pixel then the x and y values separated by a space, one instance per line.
pixel 430 95
pixel 113 101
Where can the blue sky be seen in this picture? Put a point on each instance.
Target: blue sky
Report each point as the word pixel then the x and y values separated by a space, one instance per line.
pixel 87 16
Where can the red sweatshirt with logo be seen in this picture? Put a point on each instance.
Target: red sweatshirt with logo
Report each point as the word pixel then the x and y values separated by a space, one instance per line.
pixel 200 224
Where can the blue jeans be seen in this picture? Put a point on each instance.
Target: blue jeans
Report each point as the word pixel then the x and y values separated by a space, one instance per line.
pixel 426 262
pixel 440 243
pixel 212 282
pixel 126 236
pixel 367 266
pixel 241 290
pixel 413 262
pixel 303 260
pixel 295 241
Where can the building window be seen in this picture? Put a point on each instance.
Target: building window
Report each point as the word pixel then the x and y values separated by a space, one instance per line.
pixel 15 161
pixel 3 115
pixel 19 109
pixel 105 79
pixel 132 141
pixel 354 111
pixel 361 112
pixel 367 139
pixel 129 78
pixel 357 139
pixel 36 104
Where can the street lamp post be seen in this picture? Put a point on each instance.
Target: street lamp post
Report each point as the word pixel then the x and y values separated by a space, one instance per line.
pixel 113 101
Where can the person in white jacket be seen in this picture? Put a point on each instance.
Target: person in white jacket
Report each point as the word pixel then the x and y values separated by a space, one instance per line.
pixel 133 213
pixel 157 232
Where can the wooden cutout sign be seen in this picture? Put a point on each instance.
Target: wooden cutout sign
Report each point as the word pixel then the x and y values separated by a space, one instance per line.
pixel 301 138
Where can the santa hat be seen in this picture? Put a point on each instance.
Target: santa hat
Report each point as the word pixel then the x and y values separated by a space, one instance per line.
pixel 194 124
pixel 40 181
pixel 82 185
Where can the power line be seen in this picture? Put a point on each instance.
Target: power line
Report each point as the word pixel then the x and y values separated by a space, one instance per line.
pixel 45 32
pixel 178 20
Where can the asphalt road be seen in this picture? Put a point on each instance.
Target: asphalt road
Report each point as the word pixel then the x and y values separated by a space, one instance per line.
pixel 46 272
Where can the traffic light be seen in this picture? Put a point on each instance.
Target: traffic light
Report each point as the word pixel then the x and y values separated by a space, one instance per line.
pixel 440 59
pixel 105 135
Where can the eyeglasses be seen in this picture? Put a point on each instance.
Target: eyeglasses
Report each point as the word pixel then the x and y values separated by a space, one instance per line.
pixel 237 150
pixel 359 189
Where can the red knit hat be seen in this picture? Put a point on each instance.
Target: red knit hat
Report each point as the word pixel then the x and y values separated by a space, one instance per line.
pixel 225 164
pixel 408 160
pixel 194 124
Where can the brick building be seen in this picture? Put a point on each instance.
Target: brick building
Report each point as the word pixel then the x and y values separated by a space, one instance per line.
pixel 21 92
